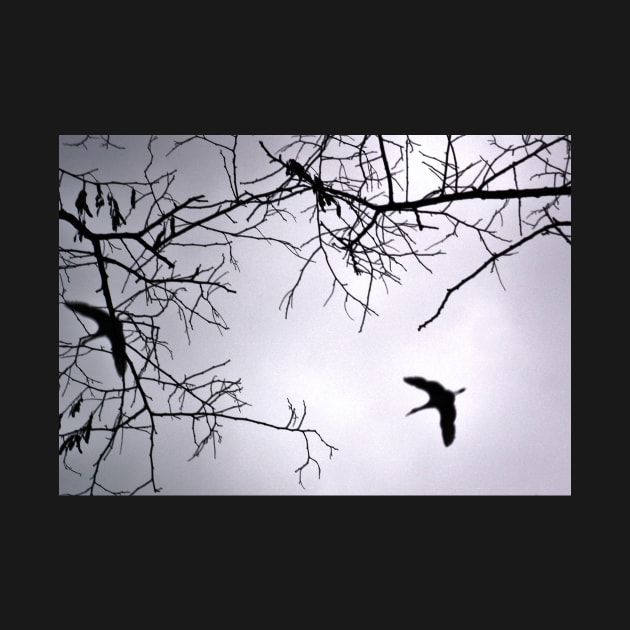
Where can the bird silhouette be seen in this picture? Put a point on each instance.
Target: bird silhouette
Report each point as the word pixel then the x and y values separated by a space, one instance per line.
pixel 107 327
pixel 295 168
pixel 441 399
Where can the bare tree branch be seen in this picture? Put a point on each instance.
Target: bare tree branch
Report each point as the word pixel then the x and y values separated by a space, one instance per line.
pixel 491 260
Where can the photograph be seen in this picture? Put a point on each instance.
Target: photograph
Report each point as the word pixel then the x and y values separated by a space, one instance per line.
pixel 313 315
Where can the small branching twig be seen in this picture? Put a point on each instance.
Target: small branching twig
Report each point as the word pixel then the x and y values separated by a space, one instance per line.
pixel 310 458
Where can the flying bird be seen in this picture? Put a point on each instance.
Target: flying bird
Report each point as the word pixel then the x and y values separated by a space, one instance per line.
pixel 441 399
pixel 107 327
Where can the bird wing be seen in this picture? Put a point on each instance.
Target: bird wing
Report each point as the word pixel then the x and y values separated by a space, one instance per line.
pixel 432 388
pixel 99 316
pixel 447 423
pixel 113 331
pixel 417 409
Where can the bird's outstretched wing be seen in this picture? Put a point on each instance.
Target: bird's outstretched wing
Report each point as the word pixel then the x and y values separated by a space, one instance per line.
pixel 112 329
pixel 416 381
pixel 432 388
pixel 98 315
pixel 447 423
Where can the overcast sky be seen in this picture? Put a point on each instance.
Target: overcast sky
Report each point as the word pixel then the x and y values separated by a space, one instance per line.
pixel 510 349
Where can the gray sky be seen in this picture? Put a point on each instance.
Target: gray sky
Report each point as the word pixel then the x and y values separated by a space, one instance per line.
pixel 510 348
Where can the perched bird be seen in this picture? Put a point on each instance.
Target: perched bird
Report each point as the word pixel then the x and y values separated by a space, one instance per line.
pixel 108 327
pixel 295 168
pixel 441 399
